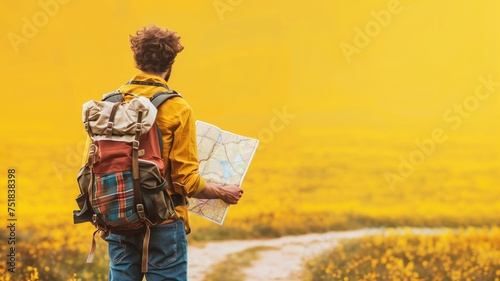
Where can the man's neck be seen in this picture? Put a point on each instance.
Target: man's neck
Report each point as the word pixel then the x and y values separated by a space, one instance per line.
pixel 162 75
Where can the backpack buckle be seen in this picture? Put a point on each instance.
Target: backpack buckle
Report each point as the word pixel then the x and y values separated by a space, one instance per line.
pixel 92 157
pixel 109 129
pixel 135 144
pixel 94 220
pixel 140 212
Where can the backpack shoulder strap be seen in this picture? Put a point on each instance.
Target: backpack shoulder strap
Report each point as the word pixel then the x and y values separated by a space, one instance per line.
pixel 157 99
pixel 115 96
pixel 160 97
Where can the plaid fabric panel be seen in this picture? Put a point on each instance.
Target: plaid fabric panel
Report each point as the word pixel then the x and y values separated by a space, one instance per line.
pixel 113 196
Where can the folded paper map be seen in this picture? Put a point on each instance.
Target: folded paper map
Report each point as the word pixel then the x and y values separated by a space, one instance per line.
pixel 224 158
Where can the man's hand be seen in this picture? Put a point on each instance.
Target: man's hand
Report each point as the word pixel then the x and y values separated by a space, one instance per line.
pixel 230 193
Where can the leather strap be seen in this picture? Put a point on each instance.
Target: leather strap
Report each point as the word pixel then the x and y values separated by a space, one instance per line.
pixel 147 235
pixel 90 257
pixel 86 123
pixel 92 156
pixel 111 120
pixel 145 250
pixel 135 161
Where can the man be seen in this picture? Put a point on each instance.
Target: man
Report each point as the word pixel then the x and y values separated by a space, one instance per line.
pixel 155 50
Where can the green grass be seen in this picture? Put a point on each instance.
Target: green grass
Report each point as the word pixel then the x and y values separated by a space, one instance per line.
pixel 231 268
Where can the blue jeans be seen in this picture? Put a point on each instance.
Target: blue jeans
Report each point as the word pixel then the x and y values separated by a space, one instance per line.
pixel 167 255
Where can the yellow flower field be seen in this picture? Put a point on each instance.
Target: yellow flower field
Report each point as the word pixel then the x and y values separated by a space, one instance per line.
pixel 470 254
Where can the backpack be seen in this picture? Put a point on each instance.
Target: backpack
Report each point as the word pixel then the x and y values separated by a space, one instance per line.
pixel 122 185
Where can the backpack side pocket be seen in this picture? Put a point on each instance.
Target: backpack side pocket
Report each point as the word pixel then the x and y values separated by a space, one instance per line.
pixel 85 213
pixel 159 205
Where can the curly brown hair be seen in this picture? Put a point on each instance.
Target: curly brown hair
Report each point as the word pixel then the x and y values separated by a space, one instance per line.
pixel 155 48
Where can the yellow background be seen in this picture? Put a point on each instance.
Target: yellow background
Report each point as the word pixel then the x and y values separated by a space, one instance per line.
pixel 354 117
pixel 333 125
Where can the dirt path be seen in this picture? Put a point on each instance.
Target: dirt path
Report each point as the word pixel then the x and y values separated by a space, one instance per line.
pixel 281 261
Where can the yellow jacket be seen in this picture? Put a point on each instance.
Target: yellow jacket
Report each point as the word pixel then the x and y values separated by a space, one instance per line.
pixel 180 153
